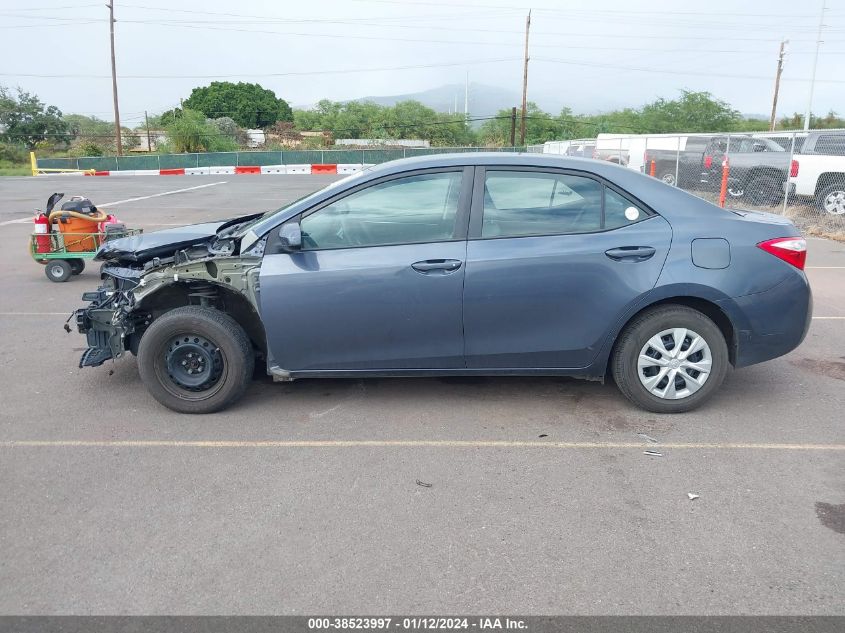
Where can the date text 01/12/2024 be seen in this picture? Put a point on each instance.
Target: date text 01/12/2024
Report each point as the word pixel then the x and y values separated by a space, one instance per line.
pixel 417 623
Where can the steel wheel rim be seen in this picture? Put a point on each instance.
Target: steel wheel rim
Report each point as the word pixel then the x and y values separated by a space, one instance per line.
pixel 834 203
pixel 56 270
pixel 674 363
pixel 206 356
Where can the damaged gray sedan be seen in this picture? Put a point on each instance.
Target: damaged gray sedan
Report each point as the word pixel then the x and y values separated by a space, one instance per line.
pixel 463 264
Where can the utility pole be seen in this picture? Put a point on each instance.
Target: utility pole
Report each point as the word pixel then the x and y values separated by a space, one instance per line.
pixel 815 64
pixel 149 138
pixel 110 5
pixel 777 84
pixel 466 101
pixel 513 127
pixel 525 81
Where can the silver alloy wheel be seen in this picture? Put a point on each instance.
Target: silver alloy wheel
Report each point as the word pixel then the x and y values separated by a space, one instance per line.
pixel 674 363
pixel 834 202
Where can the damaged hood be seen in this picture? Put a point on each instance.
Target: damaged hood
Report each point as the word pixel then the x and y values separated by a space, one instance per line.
pixel 144 247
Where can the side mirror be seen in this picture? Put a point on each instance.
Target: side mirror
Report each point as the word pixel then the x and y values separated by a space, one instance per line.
pixel 290 237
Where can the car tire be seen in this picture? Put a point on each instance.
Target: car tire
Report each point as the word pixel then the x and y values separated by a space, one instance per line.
pixel 631 374
pixel 831 199
pixel 764 191
pixel 195 360
pixel 58 270
pixel 76 266
pixel 735 188
pixel 668 177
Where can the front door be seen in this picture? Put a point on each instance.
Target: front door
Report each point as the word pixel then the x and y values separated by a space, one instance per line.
pixel 553 261
pixel 378 283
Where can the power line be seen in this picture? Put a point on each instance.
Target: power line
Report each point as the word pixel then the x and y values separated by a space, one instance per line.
pixel 677 72
pixel 570 11
pixel 285 74
pixel 263 18
pixel 74 6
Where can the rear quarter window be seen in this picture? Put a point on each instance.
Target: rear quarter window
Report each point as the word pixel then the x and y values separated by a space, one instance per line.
pixel 831 144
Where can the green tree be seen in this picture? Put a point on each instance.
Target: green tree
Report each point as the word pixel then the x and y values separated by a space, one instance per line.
pixel 405 120
pixel 25 119
pixel 164 119
pixel 829 121
pixel 693 112
pixel 250 105
pixel 540 126
pixel 192 132
pixel 89 132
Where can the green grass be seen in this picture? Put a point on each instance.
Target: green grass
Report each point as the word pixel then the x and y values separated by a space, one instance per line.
pixel 12 169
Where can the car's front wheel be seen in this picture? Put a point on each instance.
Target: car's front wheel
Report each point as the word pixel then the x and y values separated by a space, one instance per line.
pixel 670 359
pixel 195 360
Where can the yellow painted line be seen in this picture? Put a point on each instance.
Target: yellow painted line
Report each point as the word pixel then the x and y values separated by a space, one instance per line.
pixel 407 444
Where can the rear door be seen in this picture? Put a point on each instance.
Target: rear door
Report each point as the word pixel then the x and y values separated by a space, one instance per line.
pixel 553 261
pixel 378 282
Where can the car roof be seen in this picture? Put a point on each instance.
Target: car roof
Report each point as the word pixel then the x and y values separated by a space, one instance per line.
pixel 504 159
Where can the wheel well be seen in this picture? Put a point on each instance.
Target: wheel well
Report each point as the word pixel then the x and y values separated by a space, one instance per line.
pixel 707 308
pixel 829 178
pixel 213 295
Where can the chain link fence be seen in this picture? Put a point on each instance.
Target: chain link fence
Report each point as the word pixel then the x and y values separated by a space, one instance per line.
pixel 799 174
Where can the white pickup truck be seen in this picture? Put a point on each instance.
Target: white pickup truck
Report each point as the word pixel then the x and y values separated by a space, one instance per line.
pixel 818 170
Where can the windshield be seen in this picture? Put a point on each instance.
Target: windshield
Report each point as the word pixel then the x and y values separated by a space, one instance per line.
pixel 242 228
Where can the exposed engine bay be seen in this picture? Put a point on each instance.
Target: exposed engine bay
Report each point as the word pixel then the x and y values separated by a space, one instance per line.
pixel 145 276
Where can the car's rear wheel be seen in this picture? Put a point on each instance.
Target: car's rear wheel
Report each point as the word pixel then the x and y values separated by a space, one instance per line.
pixel 668 177
pixel 831 199
pixel 764 191
pixel 195 360
pixel 670 359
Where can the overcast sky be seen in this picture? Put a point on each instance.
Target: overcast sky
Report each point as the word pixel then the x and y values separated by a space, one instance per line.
pixel 593 54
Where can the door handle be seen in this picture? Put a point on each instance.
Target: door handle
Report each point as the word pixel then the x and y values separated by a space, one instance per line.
pixel 631 253
pixel 437 265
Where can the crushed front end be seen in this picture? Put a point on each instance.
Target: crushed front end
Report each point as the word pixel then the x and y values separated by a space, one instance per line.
pixel 110 319
pixel 145 276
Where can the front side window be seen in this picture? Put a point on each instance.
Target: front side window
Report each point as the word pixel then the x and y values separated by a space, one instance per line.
pixel 406 210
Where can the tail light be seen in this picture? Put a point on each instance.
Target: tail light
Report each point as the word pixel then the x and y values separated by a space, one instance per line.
pixel 793 169
pixel 708 162
pixel 792 250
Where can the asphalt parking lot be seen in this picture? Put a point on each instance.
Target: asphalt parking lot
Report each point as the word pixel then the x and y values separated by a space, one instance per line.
pixel 308 497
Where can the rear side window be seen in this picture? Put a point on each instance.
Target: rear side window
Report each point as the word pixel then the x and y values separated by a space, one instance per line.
pixel 832 144
pixel 524 203
pixel 696 143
